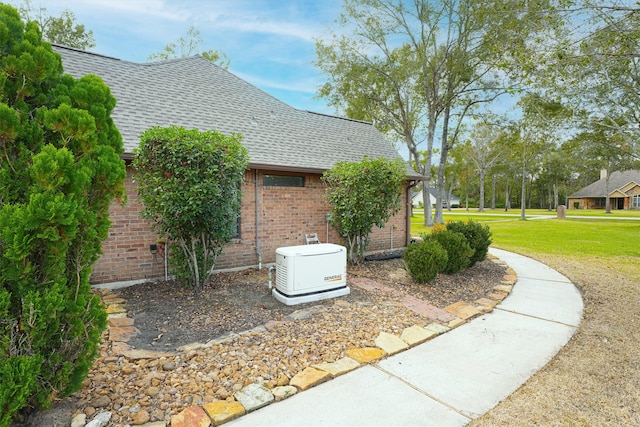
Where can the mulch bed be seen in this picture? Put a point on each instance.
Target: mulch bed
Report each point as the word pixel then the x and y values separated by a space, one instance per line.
pixel 169 315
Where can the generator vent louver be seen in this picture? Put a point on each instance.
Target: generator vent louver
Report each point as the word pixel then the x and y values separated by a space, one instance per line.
pixel 281 276
pixel 310 273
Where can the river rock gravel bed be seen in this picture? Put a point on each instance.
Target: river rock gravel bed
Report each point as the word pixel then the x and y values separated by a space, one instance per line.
pixel 232 334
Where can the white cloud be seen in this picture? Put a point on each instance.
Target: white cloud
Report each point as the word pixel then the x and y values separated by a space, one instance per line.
pixel 139 9
pixel 299 85
pixel 305 32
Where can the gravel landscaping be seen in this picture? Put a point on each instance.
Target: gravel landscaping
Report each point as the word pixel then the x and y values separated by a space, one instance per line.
pixel 138 391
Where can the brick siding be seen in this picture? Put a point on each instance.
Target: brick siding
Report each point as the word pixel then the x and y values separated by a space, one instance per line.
pixel 285 215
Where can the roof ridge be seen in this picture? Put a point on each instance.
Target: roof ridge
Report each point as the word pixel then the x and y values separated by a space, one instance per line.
pixel 61 46
pixel 339 117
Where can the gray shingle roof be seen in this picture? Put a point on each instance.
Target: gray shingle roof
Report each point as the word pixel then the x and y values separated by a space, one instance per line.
pixel 616 180
pixel 197 94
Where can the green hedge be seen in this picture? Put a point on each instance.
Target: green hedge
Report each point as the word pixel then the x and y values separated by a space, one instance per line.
pixel 478 237
pixel 425 260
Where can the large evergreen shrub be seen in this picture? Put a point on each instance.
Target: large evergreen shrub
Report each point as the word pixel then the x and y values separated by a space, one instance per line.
pixel 478 236
pixel 60 168
pixel 424 260
pixel 458 250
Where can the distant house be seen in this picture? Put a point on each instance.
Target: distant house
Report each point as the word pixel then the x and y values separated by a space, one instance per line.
pixel 417 199
pixel 623 189
pixel 289 149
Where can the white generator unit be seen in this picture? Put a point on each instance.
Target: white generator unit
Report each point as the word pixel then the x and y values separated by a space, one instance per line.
pixel 309 273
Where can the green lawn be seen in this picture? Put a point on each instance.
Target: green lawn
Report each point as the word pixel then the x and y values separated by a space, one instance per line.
pixel 613 243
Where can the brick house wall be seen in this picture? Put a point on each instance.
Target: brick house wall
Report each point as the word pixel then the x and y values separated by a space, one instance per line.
pixel 635 191
pixel 285 215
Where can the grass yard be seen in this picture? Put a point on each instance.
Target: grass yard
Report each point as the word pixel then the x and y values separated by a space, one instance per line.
pixel 593 381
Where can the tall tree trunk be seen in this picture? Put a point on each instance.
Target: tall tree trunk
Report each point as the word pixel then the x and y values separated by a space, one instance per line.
pixel 449 195
pixel 493 191
pixel 431 131
pixel 466 189
pixel 523 194
pixel 481 201
pixel 507 196
pixel 444 151
pixel 606 190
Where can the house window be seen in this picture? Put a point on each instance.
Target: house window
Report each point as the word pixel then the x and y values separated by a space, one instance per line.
pixel 283 181
pixel 600 202
pixel 236 234
pixel 635 203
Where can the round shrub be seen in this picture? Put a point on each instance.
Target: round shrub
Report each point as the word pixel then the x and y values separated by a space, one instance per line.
pixel 425 260
pixel 458 250
pixel 478 237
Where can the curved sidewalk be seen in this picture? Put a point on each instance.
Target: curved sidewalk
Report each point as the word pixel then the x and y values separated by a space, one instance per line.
pixel 451 379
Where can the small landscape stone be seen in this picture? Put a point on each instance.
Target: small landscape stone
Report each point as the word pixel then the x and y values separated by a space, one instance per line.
pixel 120 321
pixel 120 347
pixel 437 328
pixel 503 288
pixel 339 367
pixel 366 354
pixel 390 343
pixel 115 308
pixel 100 420
pixel 308 378
pixel 123 334
pixel 498 295
pixel 222 411
pixel 415 335
pixel 283 380
pixel 455 323
pixel 254 396
pixel 101 402
pixel 283 392
pixel 152 391
pixel 79 420
pixel 140 418
pixel 193 416
pixel 463 310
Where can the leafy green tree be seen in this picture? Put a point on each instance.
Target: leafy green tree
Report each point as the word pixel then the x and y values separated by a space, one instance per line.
pixel 420 67
pixel 189 182
pixel 185 47
pixel 484 153
pixel 61 29
pixel 363 194
pixel 599 76
pixel 536 132
pixel 60 169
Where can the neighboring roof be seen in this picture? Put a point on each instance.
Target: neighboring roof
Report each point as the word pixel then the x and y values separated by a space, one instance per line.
pixel 617 181
pixel 196 94
pixel 450 197
pixel 417 197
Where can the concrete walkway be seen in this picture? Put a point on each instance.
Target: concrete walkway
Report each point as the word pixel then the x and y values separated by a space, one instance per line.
pixel 451 379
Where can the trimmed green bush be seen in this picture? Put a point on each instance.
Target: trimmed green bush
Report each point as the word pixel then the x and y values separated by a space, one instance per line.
pixel 458 250
pixel 478 237
pixel 425 260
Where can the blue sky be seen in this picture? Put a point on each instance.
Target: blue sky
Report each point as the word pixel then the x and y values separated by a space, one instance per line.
pixel 270 42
